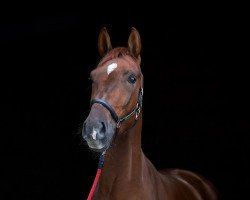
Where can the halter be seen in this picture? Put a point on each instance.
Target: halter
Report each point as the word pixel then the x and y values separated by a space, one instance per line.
pixel 119 121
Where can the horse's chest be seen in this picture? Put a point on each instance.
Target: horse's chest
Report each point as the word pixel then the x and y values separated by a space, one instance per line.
pixel 132 193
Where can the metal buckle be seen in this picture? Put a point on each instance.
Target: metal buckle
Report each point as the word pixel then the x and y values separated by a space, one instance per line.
pixel 118 125
pixel 137 113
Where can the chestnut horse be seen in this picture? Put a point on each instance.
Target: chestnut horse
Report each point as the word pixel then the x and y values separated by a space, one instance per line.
pixel 114 126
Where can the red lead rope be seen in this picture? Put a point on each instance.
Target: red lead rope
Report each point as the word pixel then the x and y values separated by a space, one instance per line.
pixel 98 173
pixel 97 176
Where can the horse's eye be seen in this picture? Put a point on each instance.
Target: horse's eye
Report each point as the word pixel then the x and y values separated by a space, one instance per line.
pixel 132 79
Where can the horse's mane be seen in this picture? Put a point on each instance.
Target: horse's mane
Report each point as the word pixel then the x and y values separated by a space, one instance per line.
pixel 117 52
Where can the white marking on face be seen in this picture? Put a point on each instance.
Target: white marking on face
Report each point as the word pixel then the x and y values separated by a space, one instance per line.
pixel 111 67
pixel 93 134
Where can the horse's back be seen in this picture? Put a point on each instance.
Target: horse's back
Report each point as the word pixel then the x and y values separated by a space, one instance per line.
pixel 183 184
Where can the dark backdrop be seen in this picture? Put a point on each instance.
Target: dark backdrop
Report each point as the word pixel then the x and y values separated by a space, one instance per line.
pixel 189 118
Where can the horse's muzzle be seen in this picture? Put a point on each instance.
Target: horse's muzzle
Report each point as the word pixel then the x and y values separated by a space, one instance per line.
pixel 98 129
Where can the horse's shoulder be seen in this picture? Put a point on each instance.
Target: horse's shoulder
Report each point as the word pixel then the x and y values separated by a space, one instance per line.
pixel 192 180
pixel 182 173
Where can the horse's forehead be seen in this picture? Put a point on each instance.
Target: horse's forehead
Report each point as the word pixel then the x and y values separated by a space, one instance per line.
pixel 125 63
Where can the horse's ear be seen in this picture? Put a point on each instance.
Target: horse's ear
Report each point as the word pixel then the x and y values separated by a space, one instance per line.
pixel 104 44
pixel 134 43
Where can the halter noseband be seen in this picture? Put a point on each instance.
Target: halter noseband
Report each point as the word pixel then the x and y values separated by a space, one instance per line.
pixel 118 120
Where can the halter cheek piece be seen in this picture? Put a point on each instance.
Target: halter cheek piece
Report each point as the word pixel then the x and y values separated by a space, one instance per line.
pixel 119 121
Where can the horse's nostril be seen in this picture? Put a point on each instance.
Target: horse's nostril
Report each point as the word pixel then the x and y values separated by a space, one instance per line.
pixel 103 128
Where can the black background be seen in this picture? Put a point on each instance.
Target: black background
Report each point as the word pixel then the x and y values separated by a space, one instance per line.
pixel 194 115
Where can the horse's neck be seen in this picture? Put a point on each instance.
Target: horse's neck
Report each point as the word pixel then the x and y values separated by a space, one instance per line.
pixel 123 161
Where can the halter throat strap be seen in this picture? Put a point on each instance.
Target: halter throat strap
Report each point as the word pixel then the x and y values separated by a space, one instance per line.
pixel 118 120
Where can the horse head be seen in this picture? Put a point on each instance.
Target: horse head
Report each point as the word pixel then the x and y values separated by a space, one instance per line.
pixel 116 98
